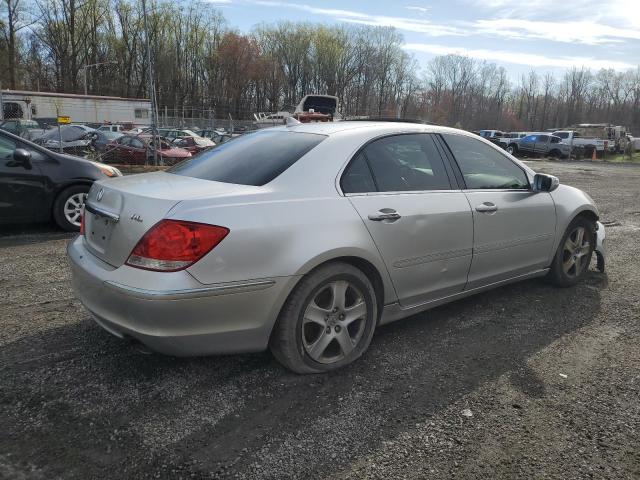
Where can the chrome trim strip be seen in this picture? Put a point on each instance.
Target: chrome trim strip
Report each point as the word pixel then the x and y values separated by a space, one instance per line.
pixel 433 257
pixel 213 290
pixel 103 213
pixel 515 242
pixel 401 192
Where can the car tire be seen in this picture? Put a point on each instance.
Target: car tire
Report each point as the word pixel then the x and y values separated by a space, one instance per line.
pixel 571 261
pixel 555 154
pixel 66 208
pixel 512 149
pixel 312 334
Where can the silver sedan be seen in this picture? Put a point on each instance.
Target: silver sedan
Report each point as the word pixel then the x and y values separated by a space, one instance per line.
pixel 304 238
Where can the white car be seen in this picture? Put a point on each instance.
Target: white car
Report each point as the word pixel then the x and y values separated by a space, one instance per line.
pixel 304 238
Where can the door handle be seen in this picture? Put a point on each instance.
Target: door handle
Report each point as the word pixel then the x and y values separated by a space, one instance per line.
pixel 486 207
pixel 384 214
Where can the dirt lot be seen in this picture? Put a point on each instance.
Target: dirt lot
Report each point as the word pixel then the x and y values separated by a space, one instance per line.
pixel 528 381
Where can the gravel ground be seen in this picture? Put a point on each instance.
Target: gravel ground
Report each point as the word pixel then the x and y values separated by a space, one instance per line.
pixel 527 381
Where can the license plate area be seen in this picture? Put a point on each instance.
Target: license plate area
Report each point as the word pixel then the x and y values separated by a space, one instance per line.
pixel 98 231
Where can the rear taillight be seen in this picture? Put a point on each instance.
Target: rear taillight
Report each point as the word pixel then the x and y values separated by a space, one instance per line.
pixel 172 245
pixel 82 221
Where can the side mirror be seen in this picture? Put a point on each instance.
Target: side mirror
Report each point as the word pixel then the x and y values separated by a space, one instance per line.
pixel 23 157
pixel 545 183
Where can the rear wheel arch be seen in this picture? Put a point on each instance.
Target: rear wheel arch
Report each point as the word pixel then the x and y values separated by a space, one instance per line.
pixel 287 340
pixel 365 266
pixel 372 274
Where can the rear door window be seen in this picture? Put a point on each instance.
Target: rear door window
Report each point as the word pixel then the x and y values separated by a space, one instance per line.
pixel 406 163
pixel 251 159
pixel 357 177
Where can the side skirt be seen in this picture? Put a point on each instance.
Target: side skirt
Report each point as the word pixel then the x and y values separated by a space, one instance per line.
pixel 394 311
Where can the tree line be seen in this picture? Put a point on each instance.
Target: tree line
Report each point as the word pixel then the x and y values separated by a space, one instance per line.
pixel 201 65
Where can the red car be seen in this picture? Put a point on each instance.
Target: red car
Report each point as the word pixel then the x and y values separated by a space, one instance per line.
pixel 193 144
pixel 138 150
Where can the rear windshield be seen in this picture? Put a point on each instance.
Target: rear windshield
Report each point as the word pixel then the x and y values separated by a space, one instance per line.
pixel 251 159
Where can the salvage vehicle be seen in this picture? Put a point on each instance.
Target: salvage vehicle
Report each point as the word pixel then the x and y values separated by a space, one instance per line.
pixel 614 135
pixel 29 129
pixel 192 144
pixel 304 238
pixel 587 144
pixel 138 150
pixel 510 137
pixel 218 136
pixel 102 139
pixel 323 104
pixel 72 139
pixel 540 144
pixel 37 185
pixel 489 134
pixel 173 133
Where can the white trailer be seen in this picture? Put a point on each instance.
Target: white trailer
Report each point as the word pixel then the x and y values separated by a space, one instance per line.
pixel 48 106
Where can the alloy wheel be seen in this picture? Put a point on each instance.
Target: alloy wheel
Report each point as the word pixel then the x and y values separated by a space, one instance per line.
pixel 334 322
pixel 73 208
pixel 575 252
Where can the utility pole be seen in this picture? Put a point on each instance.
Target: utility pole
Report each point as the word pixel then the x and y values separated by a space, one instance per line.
pixel 151 88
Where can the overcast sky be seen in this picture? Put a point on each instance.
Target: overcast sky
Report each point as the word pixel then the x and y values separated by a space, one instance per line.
pixel 546 35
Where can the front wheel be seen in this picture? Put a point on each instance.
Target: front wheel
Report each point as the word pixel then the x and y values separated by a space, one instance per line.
pixel 572 259
pixel 328 320
pixel 512 149
pixel 67 209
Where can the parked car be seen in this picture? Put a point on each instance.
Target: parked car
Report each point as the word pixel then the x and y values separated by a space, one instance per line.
pixel 489 134
pixel 288 238
pixel 540 144
pixel 173 133
pixel 614 136
pixel 575 139
pixel 494 136
pixel 76 139
pixel 29 129
pixel 510 137
pixel 192 144
pixel 138 150
pixel 103 137
pixel 114 128
pixel 38 185
pixel 218 136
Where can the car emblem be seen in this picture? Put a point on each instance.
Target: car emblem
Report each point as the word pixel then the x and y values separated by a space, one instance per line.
pixel 100 195
pixel 136 217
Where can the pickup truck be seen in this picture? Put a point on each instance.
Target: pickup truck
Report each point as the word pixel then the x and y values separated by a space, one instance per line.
pixel 540 144
pixel 511 137
pixel 588 144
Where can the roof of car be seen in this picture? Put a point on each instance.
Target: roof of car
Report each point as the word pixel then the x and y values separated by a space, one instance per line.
pixel 328 128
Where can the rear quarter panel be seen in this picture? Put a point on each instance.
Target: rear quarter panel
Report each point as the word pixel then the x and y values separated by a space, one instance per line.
pixel 281 238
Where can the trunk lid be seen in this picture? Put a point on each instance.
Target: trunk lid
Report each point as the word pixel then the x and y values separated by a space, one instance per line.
pixel 119 211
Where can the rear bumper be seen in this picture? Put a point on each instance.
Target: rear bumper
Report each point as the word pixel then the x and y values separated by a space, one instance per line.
pixel 174 314
pixel 601 250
